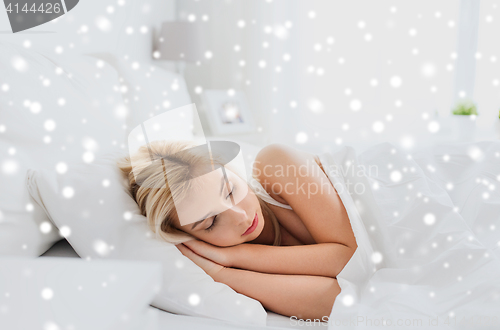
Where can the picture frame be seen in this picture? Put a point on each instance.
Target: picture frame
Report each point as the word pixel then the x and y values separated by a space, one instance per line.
pixel 227 113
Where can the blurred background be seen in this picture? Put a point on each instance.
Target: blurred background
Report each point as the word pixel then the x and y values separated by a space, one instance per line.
pixel 313 74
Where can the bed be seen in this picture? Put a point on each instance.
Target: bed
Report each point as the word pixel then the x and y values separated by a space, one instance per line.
pixel 426 224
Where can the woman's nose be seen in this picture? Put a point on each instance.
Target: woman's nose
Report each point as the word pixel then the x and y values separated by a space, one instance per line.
pixel 239 213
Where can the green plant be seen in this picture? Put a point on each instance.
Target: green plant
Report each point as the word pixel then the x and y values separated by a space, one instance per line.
pixel 465 108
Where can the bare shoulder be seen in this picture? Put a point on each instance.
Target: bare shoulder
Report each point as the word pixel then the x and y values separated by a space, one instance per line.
pixel 276 156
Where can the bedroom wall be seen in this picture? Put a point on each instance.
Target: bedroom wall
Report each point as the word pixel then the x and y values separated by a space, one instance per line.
pixel 325 70
pixel 122 27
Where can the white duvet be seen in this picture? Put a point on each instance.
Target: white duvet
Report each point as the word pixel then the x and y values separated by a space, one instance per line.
pixel 428 233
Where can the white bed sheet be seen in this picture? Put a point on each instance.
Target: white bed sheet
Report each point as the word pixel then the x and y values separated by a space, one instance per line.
pixel 62 249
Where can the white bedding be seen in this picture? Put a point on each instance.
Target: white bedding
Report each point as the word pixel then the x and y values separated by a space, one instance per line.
pixel 427 234
pixel 428 250
pixel 166 320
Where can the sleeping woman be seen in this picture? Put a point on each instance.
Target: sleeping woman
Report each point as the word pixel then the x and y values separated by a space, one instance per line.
pixel 282 245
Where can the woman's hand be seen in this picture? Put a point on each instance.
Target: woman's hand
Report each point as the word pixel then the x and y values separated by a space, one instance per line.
pixel 224 256
pixel 210 267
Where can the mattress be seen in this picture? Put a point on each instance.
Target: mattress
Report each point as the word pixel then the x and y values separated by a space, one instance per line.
pixel 166 320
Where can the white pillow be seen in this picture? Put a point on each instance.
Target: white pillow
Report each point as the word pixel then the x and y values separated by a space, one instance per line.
pixel 61 293
pixel 91 203
pixel 149 90
pixel 53 109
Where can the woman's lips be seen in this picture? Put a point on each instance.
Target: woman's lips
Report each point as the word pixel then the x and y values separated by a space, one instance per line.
pixel 253 226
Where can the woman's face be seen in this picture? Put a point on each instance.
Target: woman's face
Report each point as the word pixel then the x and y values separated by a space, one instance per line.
pixel 221 211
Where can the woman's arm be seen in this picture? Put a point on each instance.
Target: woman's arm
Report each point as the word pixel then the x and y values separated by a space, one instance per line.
pixel 323 259
pixel 307 190
pixel 303 296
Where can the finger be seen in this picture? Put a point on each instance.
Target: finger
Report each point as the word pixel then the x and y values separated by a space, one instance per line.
pixel 190 254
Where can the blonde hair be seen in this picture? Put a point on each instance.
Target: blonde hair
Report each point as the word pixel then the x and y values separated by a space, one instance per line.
pixel 154 196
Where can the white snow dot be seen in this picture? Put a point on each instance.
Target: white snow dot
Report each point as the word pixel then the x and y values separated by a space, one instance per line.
pixel 208 54
pixel 396 176
pixel 10 166
pixel 412 32
pixel 301 138
pixel 35 107
pixel 377 257
pixel 121 111
pixel 49 125
pixel 241 23
pixel 101 247
pixel 429 219
pixel 106 183
pixel 396 81
pixel 65 231
pixel 433 126
pixel 103 23
pixel 475 153
pixel 179 263
pixel 127 215
pixel 428 70
pixel 311 14
pixel 61 167
pixel 348 300
pixel 355 105
pixel 5 87
pixel 68 192
pixel 47 293
pixel 378 127
pixel 262 64
pixel 19 63
pixel 88 157
pixel 194 299
pixel 50 326
pixel 407 142
pixel 280 32
pixel 315 105
pixel 45 227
